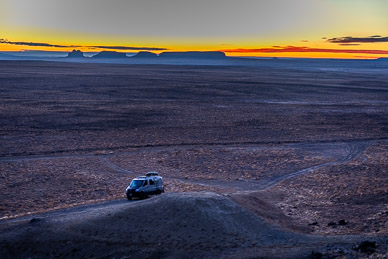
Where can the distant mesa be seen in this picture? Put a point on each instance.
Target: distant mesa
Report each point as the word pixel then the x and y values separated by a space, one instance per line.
pixel 145 54
pixel 76 54
pixel 194 54
pixel 110 54
pixel 383 59
pixel 186 54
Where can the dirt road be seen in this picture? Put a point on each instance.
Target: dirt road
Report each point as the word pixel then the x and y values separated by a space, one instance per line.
pixel 202 224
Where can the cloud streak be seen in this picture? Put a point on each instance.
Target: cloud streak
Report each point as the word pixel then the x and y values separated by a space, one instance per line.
pixel 371 39
pixel 42 44
pixel 289 49
pixel 349 44
pixel 36 44
pixel 126 48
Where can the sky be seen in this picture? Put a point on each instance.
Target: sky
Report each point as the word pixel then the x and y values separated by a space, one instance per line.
pixel 263 28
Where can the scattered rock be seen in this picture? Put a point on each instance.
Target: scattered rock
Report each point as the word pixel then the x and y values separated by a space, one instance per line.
pixel 314 224
pixel 342 222
pixel 35 220
pixel 332 224
pixel 366 247
pixel 316 255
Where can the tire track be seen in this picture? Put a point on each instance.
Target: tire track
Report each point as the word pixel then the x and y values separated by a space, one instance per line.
pixel 105 160
pixel 74 153
pixel 352 150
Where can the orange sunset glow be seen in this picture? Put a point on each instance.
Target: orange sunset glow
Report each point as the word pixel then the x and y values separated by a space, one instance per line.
pixel 313 29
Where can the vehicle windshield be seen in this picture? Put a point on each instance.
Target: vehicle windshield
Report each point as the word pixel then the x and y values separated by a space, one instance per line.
pixel 136 184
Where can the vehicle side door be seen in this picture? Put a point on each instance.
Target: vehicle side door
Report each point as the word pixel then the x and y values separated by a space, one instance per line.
pixel 145 188
pixel 152 185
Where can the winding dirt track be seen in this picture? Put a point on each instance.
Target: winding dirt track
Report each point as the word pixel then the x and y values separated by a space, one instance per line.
pixel 84 228
pixel 352 150
pixel 90 152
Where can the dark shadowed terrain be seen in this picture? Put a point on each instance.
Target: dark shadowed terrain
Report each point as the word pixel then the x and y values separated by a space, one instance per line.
pixel 266 159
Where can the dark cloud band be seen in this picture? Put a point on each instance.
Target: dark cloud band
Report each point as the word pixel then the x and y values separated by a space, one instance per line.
pixel 371 39
pixel 36 44
pixel 40 44
pixel 126 48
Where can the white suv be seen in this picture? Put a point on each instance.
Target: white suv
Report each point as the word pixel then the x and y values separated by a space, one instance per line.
pixel 143 186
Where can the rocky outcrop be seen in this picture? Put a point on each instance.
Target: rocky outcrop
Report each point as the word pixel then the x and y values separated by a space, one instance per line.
pixel 76 54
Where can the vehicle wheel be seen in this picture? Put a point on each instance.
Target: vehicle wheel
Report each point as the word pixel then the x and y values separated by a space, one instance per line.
pixel 129 197
pixel 158 192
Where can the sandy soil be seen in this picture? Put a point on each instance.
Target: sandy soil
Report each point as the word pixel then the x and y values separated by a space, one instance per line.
pixel 279 156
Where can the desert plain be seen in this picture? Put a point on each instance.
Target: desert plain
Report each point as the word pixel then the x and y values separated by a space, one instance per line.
pixel 269 159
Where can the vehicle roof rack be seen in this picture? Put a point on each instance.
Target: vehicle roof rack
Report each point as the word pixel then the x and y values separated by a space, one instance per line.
pixel 152 174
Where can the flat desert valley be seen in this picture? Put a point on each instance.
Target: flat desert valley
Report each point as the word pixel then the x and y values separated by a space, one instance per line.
pixel 274 159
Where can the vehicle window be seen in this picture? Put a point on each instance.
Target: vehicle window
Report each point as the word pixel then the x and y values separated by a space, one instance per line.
pixel 152 182
pixel 136 184
pixel 145 183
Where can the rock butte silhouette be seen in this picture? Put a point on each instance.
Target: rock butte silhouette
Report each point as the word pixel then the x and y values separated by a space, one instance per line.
pixel 145 54
pixel 76 54
pixel 110 54
pixel 194 54
pixel 186 54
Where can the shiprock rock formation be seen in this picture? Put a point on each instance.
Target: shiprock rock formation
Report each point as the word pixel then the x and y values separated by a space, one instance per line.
pixel 110 54
pixel 76 54
pixel 194 54
pixel 145 54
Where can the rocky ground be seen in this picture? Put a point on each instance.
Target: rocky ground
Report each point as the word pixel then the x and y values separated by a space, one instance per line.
pixel 342 199
pixel 277 162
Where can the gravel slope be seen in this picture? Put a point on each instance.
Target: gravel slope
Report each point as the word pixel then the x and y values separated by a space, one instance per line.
pixel 172 225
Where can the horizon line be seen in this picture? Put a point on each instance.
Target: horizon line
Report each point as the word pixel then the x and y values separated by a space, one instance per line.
pixel 228 56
